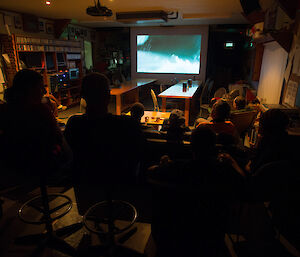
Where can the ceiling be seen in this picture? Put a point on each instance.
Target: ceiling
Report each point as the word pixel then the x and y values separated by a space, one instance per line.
pixel 191 12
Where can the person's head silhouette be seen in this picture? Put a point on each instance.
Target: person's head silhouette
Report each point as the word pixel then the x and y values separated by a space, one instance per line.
pixel 95 91
pixel 220 111
pixel 203 142
pixel 273 123
pixel 137 111
pixel 28 88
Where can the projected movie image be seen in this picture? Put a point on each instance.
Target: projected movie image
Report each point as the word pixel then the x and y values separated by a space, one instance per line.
pixel 168 54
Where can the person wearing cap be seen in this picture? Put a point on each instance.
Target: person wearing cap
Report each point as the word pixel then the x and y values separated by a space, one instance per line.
pixel 175 126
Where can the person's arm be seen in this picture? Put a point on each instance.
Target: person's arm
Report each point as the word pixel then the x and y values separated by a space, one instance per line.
pixel 223 157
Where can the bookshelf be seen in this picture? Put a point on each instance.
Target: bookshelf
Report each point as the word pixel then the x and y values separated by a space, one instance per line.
pixel 53 58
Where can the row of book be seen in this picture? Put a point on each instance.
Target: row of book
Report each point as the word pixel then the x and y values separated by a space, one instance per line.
pixel 45 41
pixel 47 48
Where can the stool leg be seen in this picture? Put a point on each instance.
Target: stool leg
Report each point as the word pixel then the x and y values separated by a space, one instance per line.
pixel 68 230
pixel 41 247
pixel 45 203
pixel 30 239
pixel 61 246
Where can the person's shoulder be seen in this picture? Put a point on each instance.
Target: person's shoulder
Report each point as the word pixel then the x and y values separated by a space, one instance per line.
pixel 76 119
pixel 3 108
pixel 229 123
pixel 124 120
pixel 41 109
pixel 205 124
pixel 40 113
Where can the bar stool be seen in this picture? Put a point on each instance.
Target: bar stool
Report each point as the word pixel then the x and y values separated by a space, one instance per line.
pixel 101 219
pixel 49 238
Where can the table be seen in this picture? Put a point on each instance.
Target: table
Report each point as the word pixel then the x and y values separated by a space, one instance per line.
pixel 154 118
pixel 128 86
pixel 176 91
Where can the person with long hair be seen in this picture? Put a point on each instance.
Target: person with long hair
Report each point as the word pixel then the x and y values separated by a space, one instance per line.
pixel 30 138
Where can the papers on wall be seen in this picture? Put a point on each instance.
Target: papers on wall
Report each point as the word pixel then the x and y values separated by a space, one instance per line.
pixel 289 66
pixel 1 92
pixel 6 58
pixel 298 97
pixel 296 64
pixel 1 78
pixel 291 93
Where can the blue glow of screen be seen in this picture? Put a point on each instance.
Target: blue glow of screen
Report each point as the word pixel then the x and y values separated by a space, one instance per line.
pixel 168 54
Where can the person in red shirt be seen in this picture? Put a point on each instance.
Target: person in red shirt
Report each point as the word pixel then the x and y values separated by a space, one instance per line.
pixel 219 123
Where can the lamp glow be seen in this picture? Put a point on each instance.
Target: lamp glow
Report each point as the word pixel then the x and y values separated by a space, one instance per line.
pixel 48 2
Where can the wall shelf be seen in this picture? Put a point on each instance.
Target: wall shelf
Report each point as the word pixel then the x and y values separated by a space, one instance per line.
pixel 27 47
pixel 283 38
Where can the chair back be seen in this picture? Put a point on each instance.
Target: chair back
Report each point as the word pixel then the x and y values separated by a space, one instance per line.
pixel 220 92
pixel 206 91
pixel 243 120
pixel 234 93
pixel 155 104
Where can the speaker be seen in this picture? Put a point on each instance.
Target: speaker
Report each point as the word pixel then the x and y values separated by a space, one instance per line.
pixel 249 6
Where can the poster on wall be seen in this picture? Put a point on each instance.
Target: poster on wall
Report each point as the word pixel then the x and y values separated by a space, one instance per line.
pixel 41 26
pixel 291 93
pixel 30 23
pixel 297 103
pixel 18 22
pixel 296 64
pixel 49 28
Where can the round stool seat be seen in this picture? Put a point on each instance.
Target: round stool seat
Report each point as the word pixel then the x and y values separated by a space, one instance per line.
pixel 32 211
pixel 121 214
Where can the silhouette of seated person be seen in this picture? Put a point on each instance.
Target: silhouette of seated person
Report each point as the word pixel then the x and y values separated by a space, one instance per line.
pixel 137 112
pixel 269 176
pixel 31 141
pixel 175 128
pixel 219 123
pixel 190 195
pixel 107 148
pixel 273 143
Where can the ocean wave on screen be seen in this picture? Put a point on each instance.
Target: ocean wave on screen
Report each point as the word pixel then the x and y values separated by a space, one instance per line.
pixel 148 62
pixel 141 39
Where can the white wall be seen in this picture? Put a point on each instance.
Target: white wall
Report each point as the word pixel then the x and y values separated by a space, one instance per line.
pixel 272 72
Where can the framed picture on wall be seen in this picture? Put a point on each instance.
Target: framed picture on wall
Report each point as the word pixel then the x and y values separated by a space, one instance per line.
pixel 18 22
pixel 8 20
pixel 30 23
pixel 49 28
pixel 42 26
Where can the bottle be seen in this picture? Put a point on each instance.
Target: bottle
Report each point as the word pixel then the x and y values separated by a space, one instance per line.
pixel 184 85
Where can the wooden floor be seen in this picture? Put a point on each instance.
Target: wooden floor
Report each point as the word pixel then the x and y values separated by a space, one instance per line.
pixel 11 227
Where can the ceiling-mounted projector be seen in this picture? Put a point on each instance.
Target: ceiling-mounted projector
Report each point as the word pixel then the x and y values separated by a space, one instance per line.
pixel 142 16
pixel 98 10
